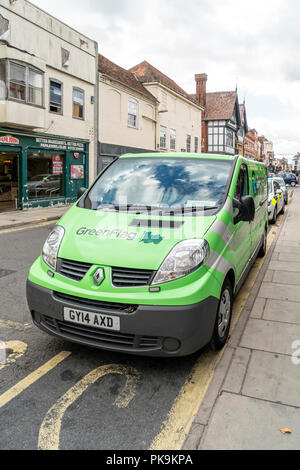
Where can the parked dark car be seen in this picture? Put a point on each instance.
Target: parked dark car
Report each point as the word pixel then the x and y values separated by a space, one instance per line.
pixel 289 178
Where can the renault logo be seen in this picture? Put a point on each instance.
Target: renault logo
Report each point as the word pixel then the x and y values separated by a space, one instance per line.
pixel 99 276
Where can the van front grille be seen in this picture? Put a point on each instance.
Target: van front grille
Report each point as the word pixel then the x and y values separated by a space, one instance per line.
pixel 94 304
pixel 125 277
pixel 72 269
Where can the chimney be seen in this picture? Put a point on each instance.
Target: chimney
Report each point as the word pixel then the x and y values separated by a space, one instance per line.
pixel 201 79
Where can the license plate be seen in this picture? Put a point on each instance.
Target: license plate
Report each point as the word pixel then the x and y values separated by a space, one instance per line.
pixel 95 320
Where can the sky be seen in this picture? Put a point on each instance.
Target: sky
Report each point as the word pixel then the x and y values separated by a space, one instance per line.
pixel 253 46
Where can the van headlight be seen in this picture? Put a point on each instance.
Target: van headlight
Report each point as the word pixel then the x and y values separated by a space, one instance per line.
pixel 51 246
pixel 184 258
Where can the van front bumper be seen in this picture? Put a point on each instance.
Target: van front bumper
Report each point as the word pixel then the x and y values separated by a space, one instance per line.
pixel 148 331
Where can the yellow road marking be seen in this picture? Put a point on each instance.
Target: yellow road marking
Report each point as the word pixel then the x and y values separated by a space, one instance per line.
pixel 180 418
pixel 18 349
pixel 14 391
pixel 50 429
pixel 27 227
pixel 8 324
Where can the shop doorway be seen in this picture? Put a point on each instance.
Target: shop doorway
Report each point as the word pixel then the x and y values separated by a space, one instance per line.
pixel 9 181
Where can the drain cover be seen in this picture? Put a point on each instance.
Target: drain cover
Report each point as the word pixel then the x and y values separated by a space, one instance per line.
pixel 6 272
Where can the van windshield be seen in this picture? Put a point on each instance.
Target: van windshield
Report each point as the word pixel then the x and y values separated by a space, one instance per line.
pixel 164 184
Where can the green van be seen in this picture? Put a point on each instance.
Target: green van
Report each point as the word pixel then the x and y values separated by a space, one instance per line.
pixel 149 259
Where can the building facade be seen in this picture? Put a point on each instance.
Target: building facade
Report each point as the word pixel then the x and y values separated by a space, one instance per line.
pixel 222 119
pixel 48 108
pixel 127 113
pixel 178 117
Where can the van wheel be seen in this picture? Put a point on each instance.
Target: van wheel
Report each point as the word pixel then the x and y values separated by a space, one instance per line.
pixel 223 319
pixel 262 252
pixel 273 220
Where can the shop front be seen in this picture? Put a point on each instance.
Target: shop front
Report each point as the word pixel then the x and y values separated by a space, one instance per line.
pixel 39 170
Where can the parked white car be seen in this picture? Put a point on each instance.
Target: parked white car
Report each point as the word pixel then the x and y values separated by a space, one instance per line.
pixel 276 204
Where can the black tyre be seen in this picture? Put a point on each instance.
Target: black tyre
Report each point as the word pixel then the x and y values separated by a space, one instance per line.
pixel 273 220
pixel 223 319
pixel 262 252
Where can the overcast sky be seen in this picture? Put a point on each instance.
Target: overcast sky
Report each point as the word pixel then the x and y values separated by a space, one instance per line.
pixel 254 45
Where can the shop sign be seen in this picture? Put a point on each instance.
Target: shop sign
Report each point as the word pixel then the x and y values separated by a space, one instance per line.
pixel 8 139
pixel 60 144
pixel 57 165
pixel 77 172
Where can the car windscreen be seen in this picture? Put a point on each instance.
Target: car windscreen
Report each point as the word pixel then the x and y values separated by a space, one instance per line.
pixel 163 183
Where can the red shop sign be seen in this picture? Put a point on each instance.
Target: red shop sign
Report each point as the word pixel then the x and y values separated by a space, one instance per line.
pixel 57 165
pixel 8 139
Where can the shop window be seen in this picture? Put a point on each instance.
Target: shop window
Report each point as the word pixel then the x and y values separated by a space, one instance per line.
pixel 45 176
pixel 56 97
pixel 78 103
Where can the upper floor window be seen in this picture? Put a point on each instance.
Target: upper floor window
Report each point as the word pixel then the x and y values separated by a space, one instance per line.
pixel 196 144
pixel 78 103
pixel 56 97
pixel 172 139
pixel 132 112
pixel 163 137
pixel 21 82
pixel 188 143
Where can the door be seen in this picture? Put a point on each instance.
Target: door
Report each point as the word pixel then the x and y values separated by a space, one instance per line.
pixel 258 190
pixel 77 173
pixel 9 180
pixel 242 231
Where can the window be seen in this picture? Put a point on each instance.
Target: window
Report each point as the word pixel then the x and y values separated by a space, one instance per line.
pixel 56 97
pixel 45 175
pixel 35 88
pixel 242 187
pixel 163 137
pixel 132 112
pixel 17 81
pixel 2 80
pixel 78 103
pixel 172 139
pixel 21 82
pixel 188 143
pixel 216 139
pixel 196 141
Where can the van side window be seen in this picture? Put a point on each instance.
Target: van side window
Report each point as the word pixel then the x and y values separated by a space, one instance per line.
pixel 242 187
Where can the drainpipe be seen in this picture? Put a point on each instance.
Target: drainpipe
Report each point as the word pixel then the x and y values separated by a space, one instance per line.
pixel 96 115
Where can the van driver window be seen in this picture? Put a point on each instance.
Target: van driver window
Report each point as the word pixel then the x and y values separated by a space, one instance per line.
pixel 242 187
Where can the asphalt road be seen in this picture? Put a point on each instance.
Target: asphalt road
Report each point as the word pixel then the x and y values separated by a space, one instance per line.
pixel 96 417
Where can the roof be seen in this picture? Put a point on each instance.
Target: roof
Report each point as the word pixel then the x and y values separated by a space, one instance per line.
pixel 114 71
pixel 146 73
pixel 220 105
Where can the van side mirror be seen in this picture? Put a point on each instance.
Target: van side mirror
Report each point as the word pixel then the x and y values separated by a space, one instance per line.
pixel 246 208
pixel 81 192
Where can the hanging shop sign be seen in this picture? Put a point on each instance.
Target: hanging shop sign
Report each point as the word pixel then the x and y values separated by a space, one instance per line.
pixel 77 172
pixel 57 165
pixel 8 139
pixel 60 144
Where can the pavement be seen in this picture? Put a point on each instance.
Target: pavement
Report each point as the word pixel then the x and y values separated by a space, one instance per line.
pixel 253 401
pixel 9 220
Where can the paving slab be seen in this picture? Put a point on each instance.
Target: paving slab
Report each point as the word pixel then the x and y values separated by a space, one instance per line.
pixel 270 336
pixel 285 266
pixel 194 437
pixel 269 275
pixel 273 377
pixel 286 277
pixel 258 308
pixel 282 311
pixel 243 423
pixel 291 256
pixel 236 373
pixel 271 290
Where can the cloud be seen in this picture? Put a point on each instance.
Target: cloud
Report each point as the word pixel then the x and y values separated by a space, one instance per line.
pixel 253 45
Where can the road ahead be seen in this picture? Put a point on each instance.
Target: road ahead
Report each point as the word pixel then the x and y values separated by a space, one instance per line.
pixel 54 394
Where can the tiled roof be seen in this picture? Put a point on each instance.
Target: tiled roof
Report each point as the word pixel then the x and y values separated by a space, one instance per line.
pixel 124 76
pixel 220 105
pixel 146 73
